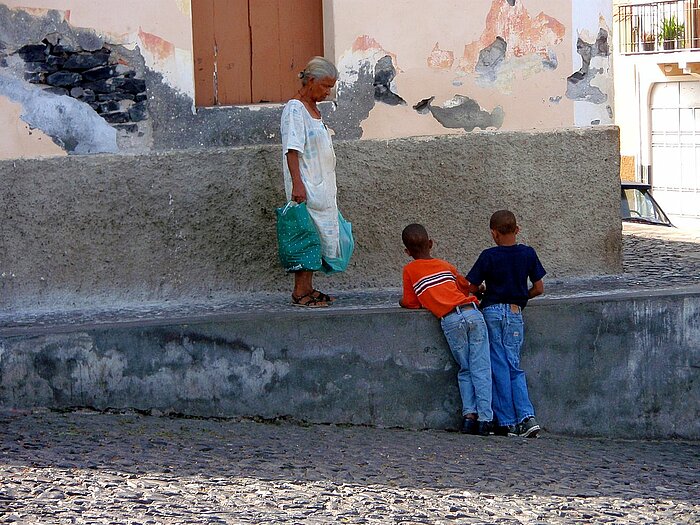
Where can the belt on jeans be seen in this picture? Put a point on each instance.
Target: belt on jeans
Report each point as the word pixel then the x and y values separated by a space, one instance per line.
pixel 458 309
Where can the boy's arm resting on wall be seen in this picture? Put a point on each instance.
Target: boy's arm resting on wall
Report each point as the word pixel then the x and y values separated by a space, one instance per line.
pixel 409 298
pixel 476 289
pixel 463 284
pixel 537 289
pixel 404 304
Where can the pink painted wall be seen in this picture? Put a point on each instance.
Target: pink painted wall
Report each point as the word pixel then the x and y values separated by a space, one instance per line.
pixel 434 47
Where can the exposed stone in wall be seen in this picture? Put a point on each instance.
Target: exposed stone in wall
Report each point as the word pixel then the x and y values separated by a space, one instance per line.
pixel 579 84
pixel 71 82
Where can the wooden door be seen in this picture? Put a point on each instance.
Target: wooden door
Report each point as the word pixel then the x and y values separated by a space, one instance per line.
pixel 250 51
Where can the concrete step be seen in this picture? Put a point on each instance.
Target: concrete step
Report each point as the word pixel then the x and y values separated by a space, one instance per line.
pixel 623 364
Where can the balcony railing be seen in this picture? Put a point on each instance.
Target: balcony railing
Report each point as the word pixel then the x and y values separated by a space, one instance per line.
pixel 654 27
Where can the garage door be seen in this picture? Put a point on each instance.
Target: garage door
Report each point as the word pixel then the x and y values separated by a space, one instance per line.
pixel 675 142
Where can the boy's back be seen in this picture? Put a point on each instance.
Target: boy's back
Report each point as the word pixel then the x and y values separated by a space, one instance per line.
pixel 434 284
pixel 505 270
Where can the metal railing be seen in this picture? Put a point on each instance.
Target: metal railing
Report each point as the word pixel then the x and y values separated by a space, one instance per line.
pixel 655 27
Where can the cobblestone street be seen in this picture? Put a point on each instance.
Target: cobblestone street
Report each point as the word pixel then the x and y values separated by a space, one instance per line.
pixel 88 467
pixel 126 468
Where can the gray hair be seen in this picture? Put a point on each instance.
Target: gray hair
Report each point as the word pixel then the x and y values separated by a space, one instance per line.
pixel 318 68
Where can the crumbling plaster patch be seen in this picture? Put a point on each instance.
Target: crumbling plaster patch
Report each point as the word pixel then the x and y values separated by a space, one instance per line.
pixel 440 58
pixel 462 112
pixel 19 139
pixel 384 74
pixel 513 42
pixel 30 64
pixel 580 85
pixel 71 124
pixel 167 20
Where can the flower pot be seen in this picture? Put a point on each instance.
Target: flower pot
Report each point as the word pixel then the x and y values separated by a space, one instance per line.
pixel 669 44
pixel 649 46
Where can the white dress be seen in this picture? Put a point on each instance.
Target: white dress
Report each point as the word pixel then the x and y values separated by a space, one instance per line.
pixel 311 138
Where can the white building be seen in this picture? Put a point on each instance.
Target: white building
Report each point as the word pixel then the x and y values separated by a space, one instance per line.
pixel 657 102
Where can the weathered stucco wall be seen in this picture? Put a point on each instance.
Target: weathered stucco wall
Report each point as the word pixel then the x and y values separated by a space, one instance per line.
pixel 498 64
pixel 601 366
pixel 95 230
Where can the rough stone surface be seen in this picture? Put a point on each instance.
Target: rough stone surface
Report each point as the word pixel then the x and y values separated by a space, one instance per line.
pixel 86 467
pixel 95 231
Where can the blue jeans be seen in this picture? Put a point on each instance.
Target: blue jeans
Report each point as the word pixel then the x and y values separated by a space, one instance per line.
pixel 468 338
pixel 511 403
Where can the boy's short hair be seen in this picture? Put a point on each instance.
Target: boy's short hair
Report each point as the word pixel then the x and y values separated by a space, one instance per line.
pixel 415 237
pixel 503 221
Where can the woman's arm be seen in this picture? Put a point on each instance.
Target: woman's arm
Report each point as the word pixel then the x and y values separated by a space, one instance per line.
pixel 298 188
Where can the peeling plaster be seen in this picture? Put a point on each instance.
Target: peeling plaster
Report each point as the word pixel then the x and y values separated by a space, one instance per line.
pixel 384 73
pixel 512 47
pixel 579 84
pixel 462 112
pixel 175 126
pixel 490 58
pixel 19 140
pixel 70 121
pixel 71 124
pixel 440 58
pixel 356 85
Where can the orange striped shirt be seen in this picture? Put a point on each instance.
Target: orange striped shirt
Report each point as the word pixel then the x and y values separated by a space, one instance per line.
pixel 436 285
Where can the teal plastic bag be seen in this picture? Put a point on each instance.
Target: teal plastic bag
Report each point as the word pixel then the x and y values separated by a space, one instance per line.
pixel 347 246
pixel 297 239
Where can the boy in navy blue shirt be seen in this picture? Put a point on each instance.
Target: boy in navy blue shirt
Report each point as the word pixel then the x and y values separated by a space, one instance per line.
pixel 505 270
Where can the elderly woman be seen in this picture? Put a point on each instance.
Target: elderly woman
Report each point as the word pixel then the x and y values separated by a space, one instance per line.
pixel 308 161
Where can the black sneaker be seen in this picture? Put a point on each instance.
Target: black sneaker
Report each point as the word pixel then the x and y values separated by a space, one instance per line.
pixel 528 428
pixel 470 426
pixel 485 428
pixel 505 430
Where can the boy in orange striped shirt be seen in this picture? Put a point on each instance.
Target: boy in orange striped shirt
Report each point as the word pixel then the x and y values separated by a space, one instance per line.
pixel 436 285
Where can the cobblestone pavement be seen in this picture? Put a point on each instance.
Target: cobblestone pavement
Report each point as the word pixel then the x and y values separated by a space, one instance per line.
pixel 89 467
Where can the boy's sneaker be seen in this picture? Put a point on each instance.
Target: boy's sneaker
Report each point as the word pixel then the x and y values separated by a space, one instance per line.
pixel 505 430
pixel 485 428
pixel 528 428
pixel 470 426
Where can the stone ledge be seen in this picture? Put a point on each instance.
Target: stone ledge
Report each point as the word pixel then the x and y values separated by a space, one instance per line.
pixel 618 366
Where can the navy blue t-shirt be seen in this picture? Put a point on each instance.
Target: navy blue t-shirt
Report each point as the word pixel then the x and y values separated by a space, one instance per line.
pixel 505 269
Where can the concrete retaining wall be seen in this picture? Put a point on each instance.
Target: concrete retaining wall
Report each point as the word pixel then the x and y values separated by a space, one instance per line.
pixel 625 366
pixel 81 232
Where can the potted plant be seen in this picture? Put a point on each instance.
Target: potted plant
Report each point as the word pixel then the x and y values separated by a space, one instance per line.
pixel 649 41
pixel 671 32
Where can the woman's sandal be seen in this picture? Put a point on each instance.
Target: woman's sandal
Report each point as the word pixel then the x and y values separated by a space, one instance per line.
pixel 309 301
pixel 320 296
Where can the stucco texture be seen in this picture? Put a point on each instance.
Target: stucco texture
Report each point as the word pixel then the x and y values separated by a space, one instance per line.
pixel 94 230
